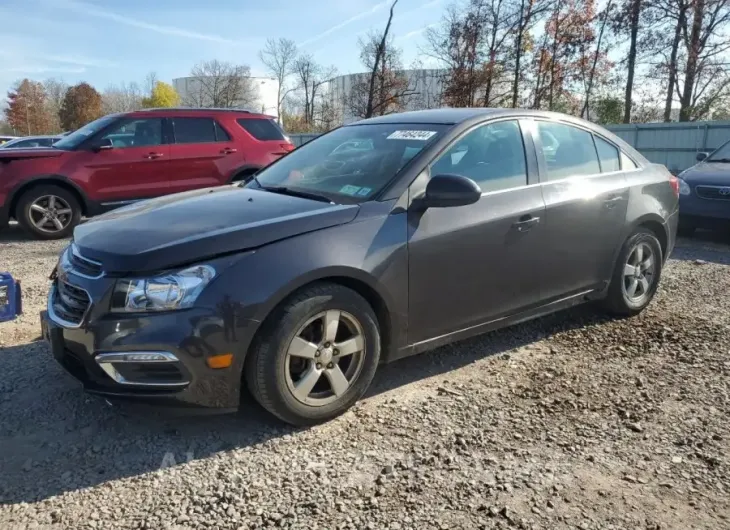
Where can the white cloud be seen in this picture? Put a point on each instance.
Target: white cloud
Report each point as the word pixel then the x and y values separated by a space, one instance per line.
pixel 80 61
pixel 355 18
pixel 99 12
pixel 414 33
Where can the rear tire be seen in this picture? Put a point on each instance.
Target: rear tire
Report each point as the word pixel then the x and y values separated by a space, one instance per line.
pixel 295 349
pixel 631 290
pixel 48 212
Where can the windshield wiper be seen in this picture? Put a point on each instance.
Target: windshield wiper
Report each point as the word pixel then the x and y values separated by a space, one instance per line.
pixel 721 160
pixel 295 193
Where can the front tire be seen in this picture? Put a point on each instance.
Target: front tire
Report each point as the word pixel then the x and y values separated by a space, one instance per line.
pixel 316 356
pixel 48 212
pixel 636 275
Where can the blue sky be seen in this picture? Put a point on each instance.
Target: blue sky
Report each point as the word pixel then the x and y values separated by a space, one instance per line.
pixel 105 42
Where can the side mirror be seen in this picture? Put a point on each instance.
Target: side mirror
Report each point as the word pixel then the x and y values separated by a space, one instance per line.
pixel 701 156
pixel 104 145
pixel 446 191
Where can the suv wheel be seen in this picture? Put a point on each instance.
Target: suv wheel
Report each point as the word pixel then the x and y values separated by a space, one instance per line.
pixel 48 212
pixel 318 356
pixel 636 277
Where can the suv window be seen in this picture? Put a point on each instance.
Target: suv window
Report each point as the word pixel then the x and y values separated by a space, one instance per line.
pixel 135 133
pixel 626 162
pixel 608 154
pixel 574 155
pixel 194 130
pixel 492 155
pixel 261 129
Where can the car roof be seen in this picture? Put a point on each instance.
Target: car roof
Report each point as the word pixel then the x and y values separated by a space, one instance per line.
pixel 452 116
pixel 194 111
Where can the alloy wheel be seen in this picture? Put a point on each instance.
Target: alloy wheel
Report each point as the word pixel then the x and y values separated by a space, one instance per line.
pixel 639 273
pixel 325 358
pixel 50 213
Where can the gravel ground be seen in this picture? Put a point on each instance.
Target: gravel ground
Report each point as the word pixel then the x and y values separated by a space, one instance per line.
pixel 572 421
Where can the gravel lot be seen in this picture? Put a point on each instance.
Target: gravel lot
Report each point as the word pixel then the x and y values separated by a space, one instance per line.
pixel 572 421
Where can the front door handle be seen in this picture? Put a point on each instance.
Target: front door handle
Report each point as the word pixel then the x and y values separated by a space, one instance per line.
pixel 526 222
pixel 228 150
pixel 153 156
pixel 611 202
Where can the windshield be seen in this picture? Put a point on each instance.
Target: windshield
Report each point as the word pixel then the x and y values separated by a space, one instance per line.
pixel 74 139
pixel 350 163
pixel 721 155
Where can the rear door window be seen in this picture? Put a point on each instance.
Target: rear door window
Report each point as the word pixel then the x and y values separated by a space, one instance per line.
pixel 569 152
pixel 194 130
pixel 262 129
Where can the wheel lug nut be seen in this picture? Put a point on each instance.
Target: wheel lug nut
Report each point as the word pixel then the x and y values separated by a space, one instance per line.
pixel 318 353
pixel 335 352
pixel 319 366
pixel 330 366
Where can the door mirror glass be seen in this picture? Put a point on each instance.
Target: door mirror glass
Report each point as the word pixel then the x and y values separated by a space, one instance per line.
pixel 701 156
pixel 104 144
pixel 445 191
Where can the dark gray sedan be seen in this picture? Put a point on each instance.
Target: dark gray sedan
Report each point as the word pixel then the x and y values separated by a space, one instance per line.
pixel 440 225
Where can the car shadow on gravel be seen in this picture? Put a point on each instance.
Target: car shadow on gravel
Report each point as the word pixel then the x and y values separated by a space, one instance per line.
pixel 704 246
pixel 56 439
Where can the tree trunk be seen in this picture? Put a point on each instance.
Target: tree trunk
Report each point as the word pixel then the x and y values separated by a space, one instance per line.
pixel 518 55
pixel 673 65
pixel 554 57
pixel 634 21
pixel 692 58
pixel 379 53
pixel 589 88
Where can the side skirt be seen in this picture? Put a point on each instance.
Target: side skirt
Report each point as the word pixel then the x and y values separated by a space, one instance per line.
pixel 511 320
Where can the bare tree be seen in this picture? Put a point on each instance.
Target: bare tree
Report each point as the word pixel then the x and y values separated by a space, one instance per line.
pixel 596 56
pixel 311 78
pixel 222 85
pixel 121 98
pixel 384 90
pixel 150 81
pixel 378 51
pixel 55 92
pixel 279 56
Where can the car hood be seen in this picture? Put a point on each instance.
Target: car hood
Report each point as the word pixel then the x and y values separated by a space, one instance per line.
pixel 9 153
pixel 710 173
pixel 190 227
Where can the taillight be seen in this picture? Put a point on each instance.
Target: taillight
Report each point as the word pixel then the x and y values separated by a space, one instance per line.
pixel 674 183
pixel 287 147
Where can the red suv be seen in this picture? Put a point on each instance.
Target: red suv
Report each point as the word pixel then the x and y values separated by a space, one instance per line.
pixel 122 158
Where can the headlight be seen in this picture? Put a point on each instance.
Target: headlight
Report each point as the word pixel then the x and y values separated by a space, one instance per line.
pixel 177 290
pixel 684 188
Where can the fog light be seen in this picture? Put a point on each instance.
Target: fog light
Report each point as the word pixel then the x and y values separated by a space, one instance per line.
pixel 223 360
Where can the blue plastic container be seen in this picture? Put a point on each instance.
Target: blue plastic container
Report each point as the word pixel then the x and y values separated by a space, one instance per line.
pixel 11 304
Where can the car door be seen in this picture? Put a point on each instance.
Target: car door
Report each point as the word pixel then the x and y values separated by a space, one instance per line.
pixel 476 263
pixel 137 169
pixel 586 198
pixel 202 154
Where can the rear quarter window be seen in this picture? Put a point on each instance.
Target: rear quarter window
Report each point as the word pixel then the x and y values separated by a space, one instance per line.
pixel 261 129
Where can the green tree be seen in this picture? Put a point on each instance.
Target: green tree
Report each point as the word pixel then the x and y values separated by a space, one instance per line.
pixel 81 105
pixel 163 96
pixel 608 110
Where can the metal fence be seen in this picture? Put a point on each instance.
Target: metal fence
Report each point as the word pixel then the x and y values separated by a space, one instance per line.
pixel 673 144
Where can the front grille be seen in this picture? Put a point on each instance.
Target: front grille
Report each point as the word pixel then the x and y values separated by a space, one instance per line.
pixel 84 266
pixel 720 193
pixel 69 303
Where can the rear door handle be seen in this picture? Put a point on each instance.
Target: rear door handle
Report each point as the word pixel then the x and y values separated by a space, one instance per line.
pixel 152 156
pixel 228 150
pixel 526 222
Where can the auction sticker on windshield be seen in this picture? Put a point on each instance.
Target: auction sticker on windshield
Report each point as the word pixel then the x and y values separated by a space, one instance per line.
pixel 411 135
